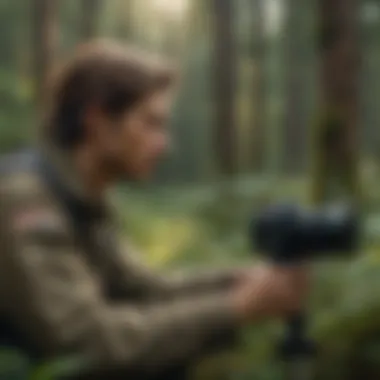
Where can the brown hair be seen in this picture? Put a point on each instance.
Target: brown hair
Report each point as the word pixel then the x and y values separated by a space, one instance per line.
pixel 105 74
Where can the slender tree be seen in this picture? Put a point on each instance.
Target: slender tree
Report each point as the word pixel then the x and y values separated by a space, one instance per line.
pixel 258 122
pixel 336 133
pixel 45 35
pixel 90 12
pixel 125 19
pixel 224 86
pixel 370 79
pixel 296 69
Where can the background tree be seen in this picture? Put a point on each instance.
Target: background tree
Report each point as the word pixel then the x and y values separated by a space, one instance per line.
pixel 259 88
pixel 370 87
pixel 90 14
pixel 336 135
pixel 224 82
pixel 45 41
pixel 297 55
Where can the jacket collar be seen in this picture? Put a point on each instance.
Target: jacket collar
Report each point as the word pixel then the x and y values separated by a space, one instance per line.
pixel 62 167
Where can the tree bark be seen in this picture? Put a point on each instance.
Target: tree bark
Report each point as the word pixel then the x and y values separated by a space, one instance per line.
pixel 225 87
pixel 370 79
pixel 90 10
pixel 295 128
pixel 336 133
pixel 258 122
pixel 125 26
pixel 45 35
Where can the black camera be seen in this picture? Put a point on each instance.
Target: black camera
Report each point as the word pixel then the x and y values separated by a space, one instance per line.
pixel 290 233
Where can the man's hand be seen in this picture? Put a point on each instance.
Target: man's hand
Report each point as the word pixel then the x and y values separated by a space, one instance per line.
pixel 271 291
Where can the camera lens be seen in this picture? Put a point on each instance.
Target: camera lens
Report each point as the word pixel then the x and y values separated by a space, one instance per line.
pixel 288 232
pixel 333 229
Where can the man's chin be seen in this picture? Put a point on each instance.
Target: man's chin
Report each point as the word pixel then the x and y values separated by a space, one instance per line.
pixel 138 176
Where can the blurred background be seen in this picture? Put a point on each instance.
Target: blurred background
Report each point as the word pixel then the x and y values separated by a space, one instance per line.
pixel 278 101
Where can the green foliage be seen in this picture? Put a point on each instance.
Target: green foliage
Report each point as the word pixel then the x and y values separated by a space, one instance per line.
pixel 13 365
pixel 61 368
pixel 344 306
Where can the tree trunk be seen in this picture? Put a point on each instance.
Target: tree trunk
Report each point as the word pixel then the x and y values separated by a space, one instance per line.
pixel 45 33
pixel 336 133
pixel 89 23
pixel 370 89
pixel 125 23
pixel 225 86
pixel 295 128
pixel 258 122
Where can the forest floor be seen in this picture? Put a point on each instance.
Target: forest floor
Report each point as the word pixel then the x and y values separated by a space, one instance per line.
pixel 207 226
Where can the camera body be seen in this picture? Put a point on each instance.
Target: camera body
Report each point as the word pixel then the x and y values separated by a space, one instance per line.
pixel 288 233
pixel 291 234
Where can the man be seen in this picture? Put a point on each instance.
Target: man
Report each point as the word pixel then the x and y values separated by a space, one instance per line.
pixel 65 285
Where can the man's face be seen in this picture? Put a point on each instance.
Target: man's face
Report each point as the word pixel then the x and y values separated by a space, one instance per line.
pixel 133 144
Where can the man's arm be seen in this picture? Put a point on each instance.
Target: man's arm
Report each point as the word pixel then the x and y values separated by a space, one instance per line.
pixel 131 274
pixel 205 280
pixel 57 302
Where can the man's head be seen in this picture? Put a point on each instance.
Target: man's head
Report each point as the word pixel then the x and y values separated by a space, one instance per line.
pixel 114 103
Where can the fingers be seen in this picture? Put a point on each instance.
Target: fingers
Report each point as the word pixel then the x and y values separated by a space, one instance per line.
pixel 275 291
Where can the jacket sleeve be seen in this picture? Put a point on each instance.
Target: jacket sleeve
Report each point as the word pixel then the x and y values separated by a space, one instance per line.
pixel 56 300
pixel 132 275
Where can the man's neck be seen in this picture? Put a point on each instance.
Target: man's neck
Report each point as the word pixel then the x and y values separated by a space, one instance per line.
pixel 90 170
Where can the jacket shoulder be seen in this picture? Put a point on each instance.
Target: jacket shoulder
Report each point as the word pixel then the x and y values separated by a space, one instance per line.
pixel 21 186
